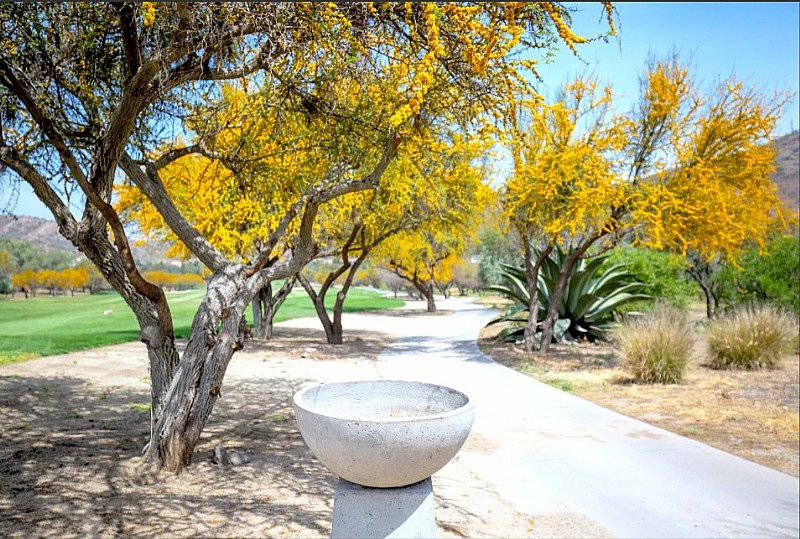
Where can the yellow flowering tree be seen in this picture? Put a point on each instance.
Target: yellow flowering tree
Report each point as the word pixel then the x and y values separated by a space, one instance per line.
pixel 87 89
pixel 685 170
pixel 564 184
pixel 444 186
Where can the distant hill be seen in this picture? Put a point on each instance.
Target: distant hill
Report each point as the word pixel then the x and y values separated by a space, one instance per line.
pixel 39 232
pixel 787 175
pixel 44 233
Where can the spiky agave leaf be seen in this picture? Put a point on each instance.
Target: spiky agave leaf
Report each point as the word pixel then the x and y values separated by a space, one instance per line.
pixel 591 296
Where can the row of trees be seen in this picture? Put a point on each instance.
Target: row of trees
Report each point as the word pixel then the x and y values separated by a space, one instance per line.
pixel 174 281
pixel 66 280
pixel 310 128
pixel 349 132
pixel 27 268
pixel 687 170
pixel 16 256
pixel 19 255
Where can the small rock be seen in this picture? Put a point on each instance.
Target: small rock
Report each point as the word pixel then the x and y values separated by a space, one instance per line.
pixel 220 455
pixel 237 459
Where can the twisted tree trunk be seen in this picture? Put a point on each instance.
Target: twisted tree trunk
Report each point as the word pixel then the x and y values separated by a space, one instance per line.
pixel 556 295
pixel 265 306
pixel 532 282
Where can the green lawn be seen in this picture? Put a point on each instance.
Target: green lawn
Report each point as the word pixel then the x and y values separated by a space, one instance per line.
pixel 45 326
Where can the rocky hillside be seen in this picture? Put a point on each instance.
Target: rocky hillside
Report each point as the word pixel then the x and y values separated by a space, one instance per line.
pixel 44 233
pixel 787 175
pixel 37 231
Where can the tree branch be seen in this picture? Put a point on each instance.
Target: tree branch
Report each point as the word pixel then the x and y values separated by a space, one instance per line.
pixel 150 184
pixel 20 90
pixel 130 38
pixel 41 187
pixel 313 200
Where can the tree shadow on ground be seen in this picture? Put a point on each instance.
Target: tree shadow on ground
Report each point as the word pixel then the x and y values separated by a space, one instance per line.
pixel 71 450
pixel 310 343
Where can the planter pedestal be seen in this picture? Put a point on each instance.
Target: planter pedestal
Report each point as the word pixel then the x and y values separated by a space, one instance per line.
pixel 366 512
pixel 384 439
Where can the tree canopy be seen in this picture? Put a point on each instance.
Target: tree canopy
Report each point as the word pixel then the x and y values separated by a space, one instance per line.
pixel 87 89
pixel 688 169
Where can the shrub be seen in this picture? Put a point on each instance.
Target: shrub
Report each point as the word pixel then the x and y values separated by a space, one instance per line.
pixel 656 347
pixel 774 274
pixel 594 293
pixel 751 337
pixel 663 273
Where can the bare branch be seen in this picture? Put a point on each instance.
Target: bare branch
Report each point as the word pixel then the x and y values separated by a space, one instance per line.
pixel 20 90
pixel 313 200
pixel 130 38
pixel 172 156
pixel 150 184
pixel 41 187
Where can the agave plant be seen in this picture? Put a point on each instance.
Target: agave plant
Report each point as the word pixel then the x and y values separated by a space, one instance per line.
pixel 592 295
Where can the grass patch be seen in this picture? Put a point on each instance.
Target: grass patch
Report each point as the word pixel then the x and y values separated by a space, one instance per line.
pixel 559 383
pixel 46 326
pixel 142 406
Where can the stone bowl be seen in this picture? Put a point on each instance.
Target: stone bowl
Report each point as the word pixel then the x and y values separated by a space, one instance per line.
pixel 383 433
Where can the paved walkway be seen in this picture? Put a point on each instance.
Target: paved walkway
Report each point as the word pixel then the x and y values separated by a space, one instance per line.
pixel 551 453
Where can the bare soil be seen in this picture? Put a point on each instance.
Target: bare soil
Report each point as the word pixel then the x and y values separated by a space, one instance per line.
pixel 752 414
pixel 74 426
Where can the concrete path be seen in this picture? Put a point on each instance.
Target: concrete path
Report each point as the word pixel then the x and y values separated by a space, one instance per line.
pixel 551 453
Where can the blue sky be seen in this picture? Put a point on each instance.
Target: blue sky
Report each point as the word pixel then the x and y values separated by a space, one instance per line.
pixel 759 42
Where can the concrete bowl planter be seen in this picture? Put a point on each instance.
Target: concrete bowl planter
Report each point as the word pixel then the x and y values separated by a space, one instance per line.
pixel 383 433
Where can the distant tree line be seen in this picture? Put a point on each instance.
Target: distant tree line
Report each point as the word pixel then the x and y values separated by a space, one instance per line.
pixel 30 269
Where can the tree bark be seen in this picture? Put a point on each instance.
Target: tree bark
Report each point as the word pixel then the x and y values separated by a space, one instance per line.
pixel 557 294
pixel 532 282
pixel 426 289
pixel 702 273
pixel 265 306
pixel 338 305
pixel 197 381
pixel 333 328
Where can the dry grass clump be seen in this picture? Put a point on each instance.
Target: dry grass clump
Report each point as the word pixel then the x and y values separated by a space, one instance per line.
pixel 751 337
pixel 656 348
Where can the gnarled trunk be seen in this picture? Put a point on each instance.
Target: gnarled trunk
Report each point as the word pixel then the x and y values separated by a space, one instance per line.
pixel 426 290
pixel 556 295
pixel 532 282
pixel 217 333
pixel 333 328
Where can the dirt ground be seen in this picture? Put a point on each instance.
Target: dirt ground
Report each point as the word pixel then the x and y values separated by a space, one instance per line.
pixel 755 414
pixel 74 425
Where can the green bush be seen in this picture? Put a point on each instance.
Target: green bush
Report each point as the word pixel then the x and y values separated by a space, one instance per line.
pixel 663 273
pixel 772 274
pixel 656 347
pixel 751 337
